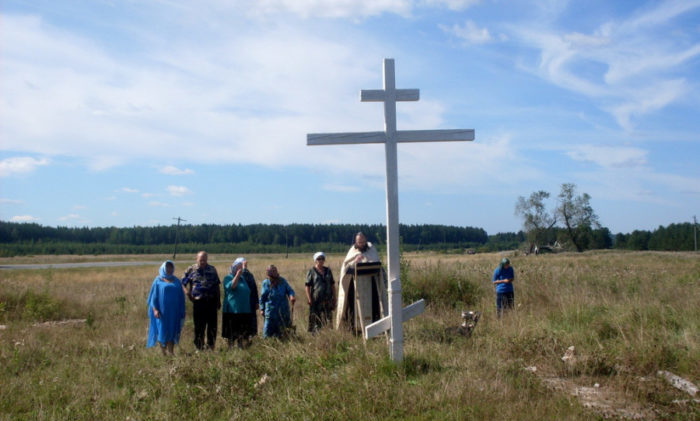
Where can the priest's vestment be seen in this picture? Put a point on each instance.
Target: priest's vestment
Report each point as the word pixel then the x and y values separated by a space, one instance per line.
pixel 369 288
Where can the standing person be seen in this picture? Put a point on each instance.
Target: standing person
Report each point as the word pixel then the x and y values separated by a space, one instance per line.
pixel 274 305
pixel 503 278
pixel 238 314
pixel 320 293
pixel 201 284
pixel 254 297
pixel 371 287
pixel 166 309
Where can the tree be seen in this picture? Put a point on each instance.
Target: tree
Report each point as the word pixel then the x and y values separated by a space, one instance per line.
pixel 577 215
pixel 537 222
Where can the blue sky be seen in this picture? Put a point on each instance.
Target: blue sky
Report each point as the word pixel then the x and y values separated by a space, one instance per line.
pixel 136 112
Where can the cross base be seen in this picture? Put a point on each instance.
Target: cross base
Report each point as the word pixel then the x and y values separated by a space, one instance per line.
pixel 382 325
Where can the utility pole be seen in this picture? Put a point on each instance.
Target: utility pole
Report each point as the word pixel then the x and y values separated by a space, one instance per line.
pixel 176 233
pixel 286 241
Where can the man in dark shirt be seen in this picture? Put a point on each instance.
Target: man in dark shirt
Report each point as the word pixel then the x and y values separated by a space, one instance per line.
pixel 201 283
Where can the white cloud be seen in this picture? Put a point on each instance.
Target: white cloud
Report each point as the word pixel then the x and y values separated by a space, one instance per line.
pixel 20 165
pixel 469 33
pixel 627 66
pixel 156 203
pixel 330 8
pixel 178 191
pixel 452 4
pixel 24 218
pixel 4 201
pixel 128 190
pixel 171 170
pixel 341 188
pixel 74 217
pixel 610 156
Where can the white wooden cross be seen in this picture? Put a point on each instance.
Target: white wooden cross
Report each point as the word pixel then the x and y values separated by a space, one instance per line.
pixel 390 136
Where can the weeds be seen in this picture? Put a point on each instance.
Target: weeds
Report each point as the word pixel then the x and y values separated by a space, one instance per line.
pixel 628 315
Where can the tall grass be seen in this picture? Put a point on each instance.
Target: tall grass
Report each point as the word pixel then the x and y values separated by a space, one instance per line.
pixel 627 314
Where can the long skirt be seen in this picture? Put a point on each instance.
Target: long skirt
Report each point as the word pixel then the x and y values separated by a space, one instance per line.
pixel 238 325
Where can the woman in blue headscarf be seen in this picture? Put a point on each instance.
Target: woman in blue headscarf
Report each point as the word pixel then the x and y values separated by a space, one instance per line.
pixel 166 309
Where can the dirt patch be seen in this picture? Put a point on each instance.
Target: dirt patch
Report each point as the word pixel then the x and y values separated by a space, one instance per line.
pixel 603 400
pixel 53 323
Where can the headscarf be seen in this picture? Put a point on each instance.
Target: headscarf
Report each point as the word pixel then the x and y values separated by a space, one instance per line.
pixel 504 262
pixel 319 254
pixel 270 270
pixel 236 264
pixel 163 274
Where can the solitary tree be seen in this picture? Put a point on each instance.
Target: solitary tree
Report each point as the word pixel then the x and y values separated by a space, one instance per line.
pixel 537 221
pixel 577 215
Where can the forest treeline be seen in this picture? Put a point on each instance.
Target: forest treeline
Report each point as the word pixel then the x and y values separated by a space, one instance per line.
pixel 32 238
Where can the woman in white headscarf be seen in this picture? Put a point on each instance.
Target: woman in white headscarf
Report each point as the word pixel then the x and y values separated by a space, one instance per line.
pixel 240 299
pixel 320 293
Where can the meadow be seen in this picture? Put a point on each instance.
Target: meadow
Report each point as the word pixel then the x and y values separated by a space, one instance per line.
pixel 628 315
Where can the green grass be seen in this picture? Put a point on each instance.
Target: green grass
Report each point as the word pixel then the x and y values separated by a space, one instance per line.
pixel 627 314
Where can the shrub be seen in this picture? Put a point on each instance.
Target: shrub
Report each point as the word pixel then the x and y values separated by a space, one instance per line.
pixel 448 286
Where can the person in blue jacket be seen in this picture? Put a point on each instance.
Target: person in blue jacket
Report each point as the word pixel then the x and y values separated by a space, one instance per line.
pixel 503 278
pixel 275 300
pixel 166 309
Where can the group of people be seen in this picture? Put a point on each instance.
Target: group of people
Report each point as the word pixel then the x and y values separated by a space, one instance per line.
pixel 201 285
pixel 239 322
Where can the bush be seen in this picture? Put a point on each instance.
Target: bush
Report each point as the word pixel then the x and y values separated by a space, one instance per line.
pixel 440 285
pixel 32 306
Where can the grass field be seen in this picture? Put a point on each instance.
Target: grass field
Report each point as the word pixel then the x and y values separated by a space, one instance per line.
pixel 628 315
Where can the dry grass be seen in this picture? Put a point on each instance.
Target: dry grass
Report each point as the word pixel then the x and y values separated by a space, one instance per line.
pixel 627 314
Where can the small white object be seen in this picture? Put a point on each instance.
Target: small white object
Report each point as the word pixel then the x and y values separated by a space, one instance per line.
pixel 679 382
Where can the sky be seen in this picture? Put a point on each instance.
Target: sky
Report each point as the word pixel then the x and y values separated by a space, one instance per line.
pixel 133 113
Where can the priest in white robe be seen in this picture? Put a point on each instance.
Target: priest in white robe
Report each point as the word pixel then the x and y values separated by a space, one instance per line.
pixel 370 288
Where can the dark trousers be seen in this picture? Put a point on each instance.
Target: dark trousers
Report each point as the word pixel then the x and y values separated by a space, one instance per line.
pixel 504 301
pixel 320 314
pixel 204 313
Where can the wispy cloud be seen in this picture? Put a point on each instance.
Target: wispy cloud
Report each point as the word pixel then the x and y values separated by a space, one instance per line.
pixel 178 191
pixel 24 218
pixel 171 170
pixel 610 156
pixel 341 188
pixel 156 203
pixel 4 201
pixel 469 33
pixel 74 217
pixel 128 190
pixel 628 66
pixel 20 165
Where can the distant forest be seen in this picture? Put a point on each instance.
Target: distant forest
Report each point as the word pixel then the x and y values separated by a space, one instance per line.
pixel 31 238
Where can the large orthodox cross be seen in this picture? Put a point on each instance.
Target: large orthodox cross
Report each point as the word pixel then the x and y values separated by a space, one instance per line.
pixel 390 137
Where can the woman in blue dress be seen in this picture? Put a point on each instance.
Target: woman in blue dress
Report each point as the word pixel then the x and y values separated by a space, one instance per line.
pixel 275 300
pixel 166 309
